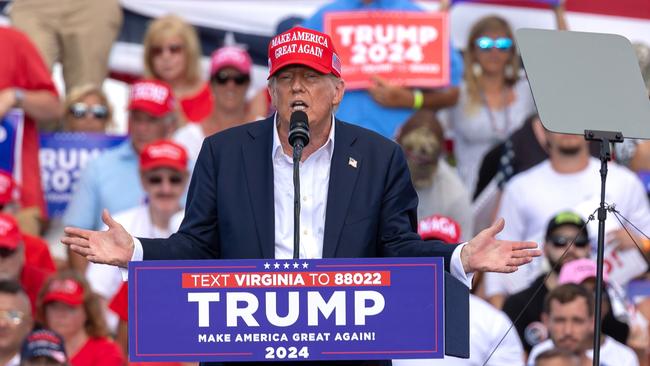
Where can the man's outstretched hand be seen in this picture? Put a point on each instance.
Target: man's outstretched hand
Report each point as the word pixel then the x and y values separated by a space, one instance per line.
pixel 485 253
pixel 113 246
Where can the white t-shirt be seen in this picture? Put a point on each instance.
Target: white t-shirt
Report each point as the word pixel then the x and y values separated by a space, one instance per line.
pixel 486 328
pixel 475 133
pixel 612 353
pixel 105 280
pixel 191 137
pixel 534 196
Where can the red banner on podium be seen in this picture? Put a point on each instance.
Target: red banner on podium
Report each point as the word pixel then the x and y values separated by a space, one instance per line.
pixel 408 48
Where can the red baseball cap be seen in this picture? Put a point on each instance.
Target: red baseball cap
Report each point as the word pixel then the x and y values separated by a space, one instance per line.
pixel 152 96
pixel 7 186
pixel 302 46
pixel 163 154
pixel 230 56
pixel 440 228
pixel 67 291
pixel 10 235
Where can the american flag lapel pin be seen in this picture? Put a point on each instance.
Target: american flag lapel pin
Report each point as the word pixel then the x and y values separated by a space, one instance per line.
pixel 352 162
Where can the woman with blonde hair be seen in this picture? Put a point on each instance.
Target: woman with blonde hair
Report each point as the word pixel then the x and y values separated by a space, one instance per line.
pixel 172 54
pixel 87 110
pixel 67 306
pixel 494 100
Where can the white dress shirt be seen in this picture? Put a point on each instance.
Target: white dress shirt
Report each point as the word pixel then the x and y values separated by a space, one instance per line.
pixel 314 183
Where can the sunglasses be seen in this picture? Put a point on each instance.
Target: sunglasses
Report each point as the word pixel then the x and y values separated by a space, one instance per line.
pixel 224 78
pixel 561 241
pixel 158 179
pixel 6 252
pixel 14 317
pixel 487 43
pixel 173 49
pixel 81 110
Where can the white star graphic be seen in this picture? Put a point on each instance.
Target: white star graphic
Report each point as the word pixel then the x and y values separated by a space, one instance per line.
pixel 267 265
pixel 286 265
pixel 305 265
pixel 296 265
pixel 276 265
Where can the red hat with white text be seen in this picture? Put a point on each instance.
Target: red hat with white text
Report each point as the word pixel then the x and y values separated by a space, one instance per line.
pixel 163 154
pixel 440 228
pixel 67 291
pixel 151 96
pixel 230 56
pixel 302 46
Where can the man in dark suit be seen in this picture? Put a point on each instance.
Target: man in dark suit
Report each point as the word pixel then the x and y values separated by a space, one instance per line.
pixel 357 200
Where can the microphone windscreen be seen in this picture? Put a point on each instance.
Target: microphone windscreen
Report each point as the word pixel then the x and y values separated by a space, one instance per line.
pixel 299 128
pixel 298 117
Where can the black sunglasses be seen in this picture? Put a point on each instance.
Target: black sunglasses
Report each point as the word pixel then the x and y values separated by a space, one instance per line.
pixel 172 49
pixel 81 110
pixel 157 179
pixel 224 78
pixel 6 252
pixel 561 241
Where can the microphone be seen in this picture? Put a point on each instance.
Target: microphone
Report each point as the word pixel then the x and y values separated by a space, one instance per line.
pixel 298 129
pixel 298 138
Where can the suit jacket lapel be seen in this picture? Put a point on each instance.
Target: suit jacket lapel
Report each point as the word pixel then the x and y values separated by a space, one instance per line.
pixel 346 162
pixel 258 167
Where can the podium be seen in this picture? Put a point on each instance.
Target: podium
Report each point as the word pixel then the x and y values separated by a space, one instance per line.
pixel 296 310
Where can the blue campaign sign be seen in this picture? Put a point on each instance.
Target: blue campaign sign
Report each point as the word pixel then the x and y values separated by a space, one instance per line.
pixel 284 310
pixel 62 156
pixel 11 126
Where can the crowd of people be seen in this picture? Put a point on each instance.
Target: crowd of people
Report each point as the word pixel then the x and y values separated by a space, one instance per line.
pixel 476 151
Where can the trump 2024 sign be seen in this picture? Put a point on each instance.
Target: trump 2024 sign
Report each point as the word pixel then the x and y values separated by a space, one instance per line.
pixel 407 47
pixel 272 310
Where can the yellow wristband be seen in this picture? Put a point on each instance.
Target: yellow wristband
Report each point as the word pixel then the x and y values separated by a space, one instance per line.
pixel 418 99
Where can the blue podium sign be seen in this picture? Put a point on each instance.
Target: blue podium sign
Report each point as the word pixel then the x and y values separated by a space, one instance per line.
pixel 283 310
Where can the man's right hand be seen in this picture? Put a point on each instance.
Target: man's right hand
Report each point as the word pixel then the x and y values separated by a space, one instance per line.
pixel 114 246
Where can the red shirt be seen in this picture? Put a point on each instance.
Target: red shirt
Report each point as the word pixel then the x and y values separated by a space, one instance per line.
pixel 37 253
pixel 98 352
pixel 21 66
pixel 120 303
pixel 199 106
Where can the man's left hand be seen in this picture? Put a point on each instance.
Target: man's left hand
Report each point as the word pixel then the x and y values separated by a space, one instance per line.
pixel 485 253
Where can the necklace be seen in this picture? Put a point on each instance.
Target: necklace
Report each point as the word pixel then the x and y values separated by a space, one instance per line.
pixel 501 133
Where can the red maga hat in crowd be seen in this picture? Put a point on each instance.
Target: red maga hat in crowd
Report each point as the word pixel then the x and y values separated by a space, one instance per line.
pixel 67 291
pixel 302 46
pixel 152 96
pixel 439 227
pixel 163 154
pixel 230 56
